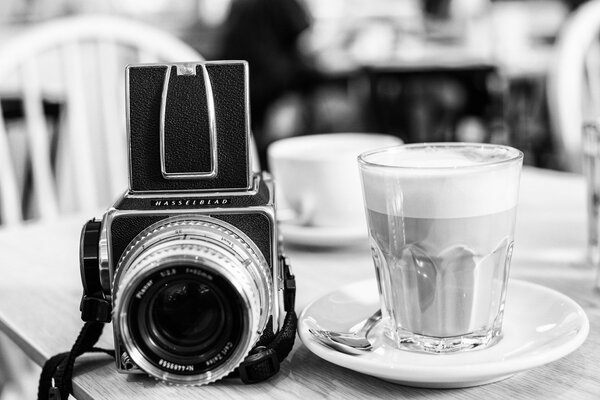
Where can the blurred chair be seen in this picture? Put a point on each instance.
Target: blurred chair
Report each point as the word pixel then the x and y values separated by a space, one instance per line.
pixel 574 82
pixel 75 159
pixel 62 118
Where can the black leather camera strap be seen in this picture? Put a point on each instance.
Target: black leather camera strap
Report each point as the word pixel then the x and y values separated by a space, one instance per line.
pixel 262 362
pixel 55 379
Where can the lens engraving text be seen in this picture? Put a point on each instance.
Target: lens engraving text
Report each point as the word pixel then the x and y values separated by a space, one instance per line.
pixel 144 289
pixel 175 367
pixel 221 354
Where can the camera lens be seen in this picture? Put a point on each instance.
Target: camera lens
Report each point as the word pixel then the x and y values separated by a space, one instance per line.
pixel 188 315
pixel 181 316
pixel 192 297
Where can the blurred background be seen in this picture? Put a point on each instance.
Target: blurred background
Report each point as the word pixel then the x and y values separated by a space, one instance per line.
pixel 423 70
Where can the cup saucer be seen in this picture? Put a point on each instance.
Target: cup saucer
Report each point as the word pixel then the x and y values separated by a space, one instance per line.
pixel 317 236
pixel 541 325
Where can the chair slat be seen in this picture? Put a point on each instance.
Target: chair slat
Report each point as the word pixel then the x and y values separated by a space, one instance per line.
pixel 80 149
pixel 111 88
pixel 592 73
pixel 10 209
pixel 568 77
pixel 38 137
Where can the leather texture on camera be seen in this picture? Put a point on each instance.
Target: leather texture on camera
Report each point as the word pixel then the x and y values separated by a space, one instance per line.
pixel 255 225
pixel 187 134
pixel 229 86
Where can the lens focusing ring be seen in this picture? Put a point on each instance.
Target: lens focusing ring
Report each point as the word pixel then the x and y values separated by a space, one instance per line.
pixel 201 250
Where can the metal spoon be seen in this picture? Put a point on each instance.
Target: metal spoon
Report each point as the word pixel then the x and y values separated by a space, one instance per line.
pixel 353 342
pixel 325 340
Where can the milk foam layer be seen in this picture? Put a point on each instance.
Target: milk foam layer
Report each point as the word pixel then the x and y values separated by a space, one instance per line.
pixel 445 182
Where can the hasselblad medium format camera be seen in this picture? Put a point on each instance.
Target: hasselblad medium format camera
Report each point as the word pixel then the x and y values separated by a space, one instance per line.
pixel 187 263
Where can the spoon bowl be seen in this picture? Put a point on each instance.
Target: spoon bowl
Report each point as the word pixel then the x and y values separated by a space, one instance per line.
pixel 326 340
pixel 354 342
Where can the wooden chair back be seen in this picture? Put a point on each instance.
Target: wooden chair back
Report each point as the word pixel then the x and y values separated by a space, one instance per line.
pixel 574 82
pixel 62 112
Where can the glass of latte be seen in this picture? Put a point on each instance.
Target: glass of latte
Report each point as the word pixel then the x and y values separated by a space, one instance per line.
pixel 441 220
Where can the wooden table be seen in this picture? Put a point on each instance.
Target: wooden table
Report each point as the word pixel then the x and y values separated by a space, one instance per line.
pixel 40 291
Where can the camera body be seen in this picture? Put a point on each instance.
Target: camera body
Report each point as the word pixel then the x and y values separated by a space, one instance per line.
pixel 187 263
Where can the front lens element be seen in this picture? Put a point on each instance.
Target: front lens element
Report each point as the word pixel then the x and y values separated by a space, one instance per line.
pixel 188 314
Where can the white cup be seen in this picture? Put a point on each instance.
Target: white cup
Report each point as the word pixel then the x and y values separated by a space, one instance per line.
pixel 317 183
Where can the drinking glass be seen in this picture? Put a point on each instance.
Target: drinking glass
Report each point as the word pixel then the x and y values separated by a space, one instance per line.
pixel 441 220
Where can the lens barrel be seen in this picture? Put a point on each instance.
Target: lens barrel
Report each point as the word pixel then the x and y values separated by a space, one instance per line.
pixel 192 295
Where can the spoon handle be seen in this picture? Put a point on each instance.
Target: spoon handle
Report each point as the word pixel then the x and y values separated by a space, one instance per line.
pixel 367 325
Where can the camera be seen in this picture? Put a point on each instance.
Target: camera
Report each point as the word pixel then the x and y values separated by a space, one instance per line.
pixel 187 264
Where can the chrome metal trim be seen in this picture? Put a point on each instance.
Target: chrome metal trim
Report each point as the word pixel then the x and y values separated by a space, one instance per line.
pixel 267 210
pixel 128 125
pixel 268 180
pixel 212 127
pixel 254 189
pixel 186 69
pixel 104 256
pixel 247 105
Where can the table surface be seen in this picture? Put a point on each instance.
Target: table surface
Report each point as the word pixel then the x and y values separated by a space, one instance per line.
pixel 40 291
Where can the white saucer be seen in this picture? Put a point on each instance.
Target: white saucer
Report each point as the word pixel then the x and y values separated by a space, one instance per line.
pixel 540 325
pixel 316 236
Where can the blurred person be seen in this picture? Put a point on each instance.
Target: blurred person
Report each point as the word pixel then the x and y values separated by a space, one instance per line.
pixel 573 4
pixel 266 33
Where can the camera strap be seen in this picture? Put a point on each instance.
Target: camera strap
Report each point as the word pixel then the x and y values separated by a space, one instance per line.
pixel 55 379
pixel 271 349
pixel 261 364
